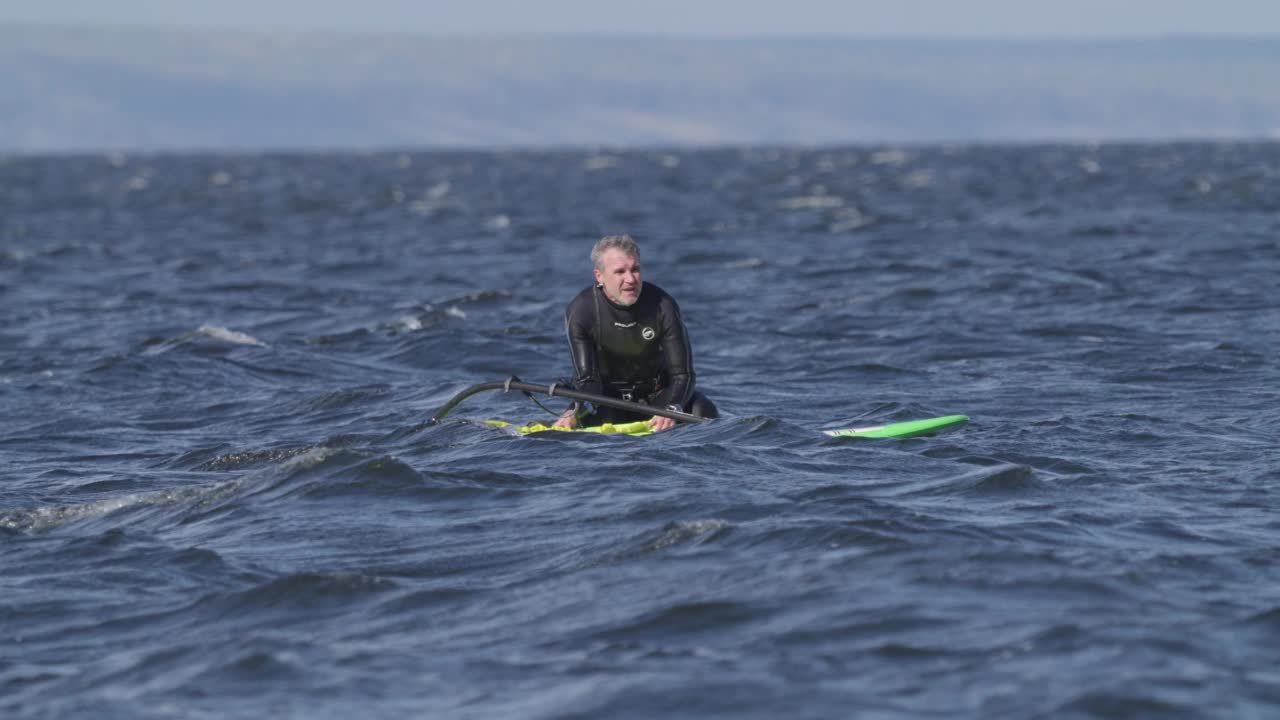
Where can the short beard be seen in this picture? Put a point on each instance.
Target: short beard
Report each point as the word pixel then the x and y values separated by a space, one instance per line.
pixel 620 303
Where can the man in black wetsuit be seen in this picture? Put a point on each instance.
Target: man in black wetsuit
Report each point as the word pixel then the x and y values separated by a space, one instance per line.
pixel 628 341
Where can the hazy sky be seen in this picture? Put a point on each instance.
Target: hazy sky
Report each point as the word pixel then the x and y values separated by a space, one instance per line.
pixel 937 18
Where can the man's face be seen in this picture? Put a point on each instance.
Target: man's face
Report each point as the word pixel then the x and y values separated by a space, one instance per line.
pixel 620 276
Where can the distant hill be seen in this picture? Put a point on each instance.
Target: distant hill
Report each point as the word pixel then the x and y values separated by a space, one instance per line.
pixel 75 89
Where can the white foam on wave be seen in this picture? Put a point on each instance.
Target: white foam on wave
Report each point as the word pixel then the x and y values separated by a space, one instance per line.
pixel 680 532
pixel 889 157
pixel 849 219
pixel 918 179
pixel 227 335
pixel 439 190
pixel 600 162
pixel 409 322
pixel 53 516
pixel 536 307
pixel 50 516
pixel 307 459
pixel 211 331
pixel 811 202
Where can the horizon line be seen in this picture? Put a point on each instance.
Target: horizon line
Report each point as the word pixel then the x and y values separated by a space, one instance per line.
pixel 131 27
pixel 628 148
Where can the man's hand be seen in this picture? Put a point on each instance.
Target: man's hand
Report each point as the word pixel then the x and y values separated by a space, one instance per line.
pixel 661 423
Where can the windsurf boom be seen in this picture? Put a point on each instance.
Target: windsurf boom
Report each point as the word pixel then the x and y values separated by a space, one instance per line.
pixel 911 428
pixel 556 390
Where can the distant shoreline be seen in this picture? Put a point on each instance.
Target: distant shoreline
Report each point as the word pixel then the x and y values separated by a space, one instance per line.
pixel 72 89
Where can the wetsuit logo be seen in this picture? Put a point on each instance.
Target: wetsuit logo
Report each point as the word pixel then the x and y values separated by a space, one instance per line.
pixel 647 333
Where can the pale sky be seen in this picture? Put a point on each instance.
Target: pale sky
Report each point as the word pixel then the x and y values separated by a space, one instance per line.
pixel 928 18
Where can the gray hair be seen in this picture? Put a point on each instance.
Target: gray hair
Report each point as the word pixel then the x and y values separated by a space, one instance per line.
pixel 625 243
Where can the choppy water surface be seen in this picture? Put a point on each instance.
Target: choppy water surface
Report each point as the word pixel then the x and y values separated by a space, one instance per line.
pixel 218 496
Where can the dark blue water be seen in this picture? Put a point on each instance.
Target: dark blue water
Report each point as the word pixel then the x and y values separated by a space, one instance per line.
pixel 218 496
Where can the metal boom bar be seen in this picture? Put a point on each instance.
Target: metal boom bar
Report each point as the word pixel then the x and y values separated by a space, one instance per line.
pixel 555 390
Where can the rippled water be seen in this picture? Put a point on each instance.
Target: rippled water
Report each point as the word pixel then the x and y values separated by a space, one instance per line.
pixel 218 495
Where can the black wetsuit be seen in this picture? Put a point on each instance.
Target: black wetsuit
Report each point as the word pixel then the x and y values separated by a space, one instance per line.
pixel 639 353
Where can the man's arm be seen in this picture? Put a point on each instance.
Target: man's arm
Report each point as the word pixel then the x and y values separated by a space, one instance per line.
pixel 678 355
pixel 579 325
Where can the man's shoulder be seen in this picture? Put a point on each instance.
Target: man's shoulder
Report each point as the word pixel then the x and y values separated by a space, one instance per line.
pixel 582 299
pixel 658 296
pixel 651 288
